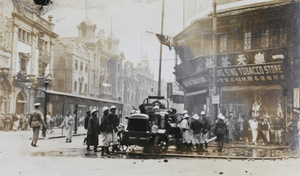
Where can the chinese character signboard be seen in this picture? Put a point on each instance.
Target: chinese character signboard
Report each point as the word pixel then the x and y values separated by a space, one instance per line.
pixel 169 90
pixel 250 73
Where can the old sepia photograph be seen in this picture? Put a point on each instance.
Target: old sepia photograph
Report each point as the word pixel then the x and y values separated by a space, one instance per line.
pixel 150 87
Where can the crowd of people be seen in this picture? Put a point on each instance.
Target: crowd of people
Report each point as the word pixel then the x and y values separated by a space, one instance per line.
pixel 14 122
pixel 198 130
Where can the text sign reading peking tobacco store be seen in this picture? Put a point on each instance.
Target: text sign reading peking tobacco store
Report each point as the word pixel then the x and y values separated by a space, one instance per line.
pixel 250 73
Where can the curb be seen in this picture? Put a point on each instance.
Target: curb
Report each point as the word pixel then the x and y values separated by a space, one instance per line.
pixel 57 137
pixel 208 156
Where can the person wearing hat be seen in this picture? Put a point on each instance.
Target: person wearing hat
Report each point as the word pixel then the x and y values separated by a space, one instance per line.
pixel 184 126
pixel 197 127
pixel 68 124
pixel 207 126
pixel 104 131
pixel 35 122
pixel 85 125
pixel 92 131
pixel 220 131
pixel 114 122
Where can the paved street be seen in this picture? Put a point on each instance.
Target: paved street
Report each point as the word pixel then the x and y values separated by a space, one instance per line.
pixel 55 157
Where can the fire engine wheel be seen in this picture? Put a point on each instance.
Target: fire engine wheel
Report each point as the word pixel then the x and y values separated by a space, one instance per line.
pixel 160 144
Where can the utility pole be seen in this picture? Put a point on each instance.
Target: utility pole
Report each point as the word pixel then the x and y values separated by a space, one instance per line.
pixel 215 92
pixel 160 56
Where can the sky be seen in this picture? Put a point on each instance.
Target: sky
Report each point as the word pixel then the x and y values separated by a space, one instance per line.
pixel 130 21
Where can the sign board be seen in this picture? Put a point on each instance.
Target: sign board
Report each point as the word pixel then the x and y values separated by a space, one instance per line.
pixel 215 99
pixel 296 98
pixel 250 73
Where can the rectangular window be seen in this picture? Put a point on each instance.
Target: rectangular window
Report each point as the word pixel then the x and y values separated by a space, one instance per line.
pixel 283 36
pixel 23 36
pixel 75 86
pixel 247 40
pixel 273 36
pixel 20 34
pixel 29 38
pixel 265 38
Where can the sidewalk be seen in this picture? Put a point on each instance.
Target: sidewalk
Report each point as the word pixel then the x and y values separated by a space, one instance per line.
pixel 61 133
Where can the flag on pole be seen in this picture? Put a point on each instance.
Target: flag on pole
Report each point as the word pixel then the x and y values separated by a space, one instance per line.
pixel 165 40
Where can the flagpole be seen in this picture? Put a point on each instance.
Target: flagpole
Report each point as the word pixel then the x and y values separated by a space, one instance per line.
pixel 160 56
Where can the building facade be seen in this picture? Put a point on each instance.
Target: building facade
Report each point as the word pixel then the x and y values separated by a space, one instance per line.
pixel 138 84
pixel 255 61
pixel 26 56
pixel 88 71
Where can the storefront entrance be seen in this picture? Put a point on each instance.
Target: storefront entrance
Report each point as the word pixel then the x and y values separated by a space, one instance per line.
pixel 247 101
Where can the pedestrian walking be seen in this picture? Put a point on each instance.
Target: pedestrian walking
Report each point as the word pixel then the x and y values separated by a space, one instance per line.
pixel 35 122
pixel 93 131
pixel 278 127
pixel 49 121
pixel 220 131
pixel 104 131
pixel 68 123
pixel 114 122
pixel 253 125
pixel 15 122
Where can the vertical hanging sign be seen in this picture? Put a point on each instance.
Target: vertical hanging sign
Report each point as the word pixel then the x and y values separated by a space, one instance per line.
pixel 169 90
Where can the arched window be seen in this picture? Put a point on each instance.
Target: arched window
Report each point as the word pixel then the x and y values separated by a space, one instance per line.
pixel 75 86
pixel 76 65
pixel 81 66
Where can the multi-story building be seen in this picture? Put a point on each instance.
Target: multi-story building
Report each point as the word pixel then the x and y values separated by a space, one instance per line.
pixel 88 71
pixel 257 52
pixel 138 84
pixel 26 56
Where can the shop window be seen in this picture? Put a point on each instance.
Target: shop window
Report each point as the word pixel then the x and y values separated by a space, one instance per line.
pixel 76 65
pixel 265 38
pixel 283 36
pixel 255 38
pixel 75 86
pixel 247 40
pixel 273 37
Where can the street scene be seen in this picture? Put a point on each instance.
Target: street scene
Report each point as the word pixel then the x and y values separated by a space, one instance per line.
pixel 144 87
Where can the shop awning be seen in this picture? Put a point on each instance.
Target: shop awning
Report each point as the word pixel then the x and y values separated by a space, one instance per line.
pixel 196 93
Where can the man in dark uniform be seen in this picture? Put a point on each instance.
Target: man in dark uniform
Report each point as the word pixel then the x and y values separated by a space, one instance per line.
pixel 85 125
pixel 92 132
pixel 35 122
pixel 114 122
